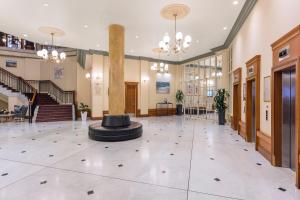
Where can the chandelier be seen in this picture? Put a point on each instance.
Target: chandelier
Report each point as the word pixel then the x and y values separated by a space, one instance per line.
pixel 51 54
pixel 161 68
pixel 179 43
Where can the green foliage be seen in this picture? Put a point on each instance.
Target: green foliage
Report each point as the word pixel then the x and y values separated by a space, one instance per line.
pixel 83 107
pixel 179 97
pixel 220 100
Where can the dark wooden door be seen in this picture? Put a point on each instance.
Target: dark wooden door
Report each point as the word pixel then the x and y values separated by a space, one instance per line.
pixel 131 98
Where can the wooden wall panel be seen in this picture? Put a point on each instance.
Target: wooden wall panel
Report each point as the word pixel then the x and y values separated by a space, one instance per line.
pixel 264 145
pixel 242 129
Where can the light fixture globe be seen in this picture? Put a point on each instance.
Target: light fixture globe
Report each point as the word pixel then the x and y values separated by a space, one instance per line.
pixel 179 36
pixel 62 55
pixel 188 39
pixel 166 38
pixel 54 53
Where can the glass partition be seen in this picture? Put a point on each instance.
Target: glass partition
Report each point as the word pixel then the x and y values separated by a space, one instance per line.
pixel 202 78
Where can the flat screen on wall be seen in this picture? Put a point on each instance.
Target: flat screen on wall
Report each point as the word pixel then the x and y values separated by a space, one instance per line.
pixel 11 63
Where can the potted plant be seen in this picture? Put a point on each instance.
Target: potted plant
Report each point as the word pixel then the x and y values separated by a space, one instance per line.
pixel 179 101
pixel 83 108
pixel 220 104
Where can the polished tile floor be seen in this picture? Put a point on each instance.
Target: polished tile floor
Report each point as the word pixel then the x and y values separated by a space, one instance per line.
pixel 176 158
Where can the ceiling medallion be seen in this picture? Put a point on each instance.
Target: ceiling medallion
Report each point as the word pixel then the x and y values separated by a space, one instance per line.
pixel 179 43
pixel 49 53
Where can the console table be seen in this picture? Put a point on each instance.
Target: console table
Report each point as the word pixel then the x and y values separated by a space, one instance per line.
pixel 161 107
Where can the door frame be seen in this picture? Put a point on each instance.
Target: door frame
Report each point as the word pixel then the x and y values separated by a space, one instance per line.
pixel 253 74
pixel 236 110
pixel 286 55
pixel 136 95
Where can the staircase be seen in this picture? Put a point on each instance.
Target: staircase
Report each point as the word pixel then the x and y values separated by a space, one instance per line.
pixel 50 110
pixel 46 100
pixel 54 104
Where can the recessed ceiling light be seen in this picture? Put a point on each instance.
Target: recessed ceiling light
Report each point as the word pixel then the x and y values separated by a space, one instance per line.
pixel 25 35
pixel 137 37
pixel 131 51
pixel 225 28
pixel 85 26
pixel 46 4
pixel 235 2
pixel 98 45
pixel 197 41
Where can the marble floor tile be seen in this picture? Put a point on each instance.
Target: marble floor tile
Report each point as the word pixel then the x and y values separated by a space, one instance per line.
pixel 176 158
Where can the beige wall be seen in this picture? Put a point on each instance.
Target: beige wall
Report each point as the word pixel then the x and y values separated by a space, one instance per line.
pixel 268 21
pixel 135 71
pixel 86 89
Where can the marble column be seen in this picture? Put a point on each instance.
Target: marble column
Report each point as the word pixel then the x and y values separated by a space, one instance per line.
pixel 116 72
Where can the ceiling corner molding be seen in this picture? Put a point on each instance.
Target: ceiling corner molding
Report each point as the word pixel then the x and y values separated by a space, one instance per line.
pixel 246 10
pixel 196 58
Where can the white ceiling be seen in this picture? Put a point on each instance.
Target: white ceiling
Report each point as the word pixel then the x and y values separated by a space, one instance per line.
pixel 140 17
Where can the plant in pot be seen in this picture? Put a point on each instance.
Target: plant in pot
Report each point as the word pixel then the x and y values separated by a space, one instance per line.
pixel 179 101
pixel 220 104
pixel 83 108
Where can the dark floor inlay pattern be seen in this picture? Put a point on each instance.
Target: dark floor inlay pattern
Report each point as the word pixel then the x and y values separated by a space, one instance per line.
pixel 212 158
pixel 5 174
pixel 163 172
pixel 106 147
pixel 90 192
pixel 82 160
pixel 120 165
pixel 43 182
pixel 217 179
pixel 259 164
pixel 137 150
pixel 51 155
pixel 23 151
pixel 245 149
pixel 282 189
pixel 172 154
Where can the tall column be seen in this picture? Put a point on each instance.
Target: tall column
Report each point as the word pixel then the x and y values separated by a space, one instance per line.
pixel 116 73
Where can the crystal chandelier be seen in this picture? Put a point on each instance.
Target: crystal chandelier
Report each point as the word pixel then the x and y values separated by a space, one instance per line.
pixel 180 43
pixel 162 68
pixel 51 54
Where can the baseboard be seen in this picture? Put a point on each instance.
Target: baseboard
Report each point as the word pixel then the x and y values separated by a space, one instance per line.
pixel 263 143
pixel 242 129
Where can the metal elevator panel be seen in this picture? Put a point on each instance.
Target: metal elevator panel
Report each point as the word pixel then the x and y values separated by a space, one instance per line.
pixel 288 119
pixel 253 97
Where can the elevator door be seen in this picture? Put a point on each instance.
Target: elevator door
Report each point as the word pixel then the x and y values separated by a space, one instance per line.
pixel 288 119
pixel 253 97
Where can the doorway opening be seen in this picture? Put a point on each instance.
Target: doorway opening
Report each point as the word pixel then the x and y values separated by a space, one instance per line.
pixel 237 90
pixel 253 99
pixel 131 98
pixel 251 103
pixel 285 109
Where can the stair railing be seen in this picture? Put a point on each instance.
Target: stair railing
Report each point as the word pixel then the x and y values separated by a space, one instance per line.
pixel 18 84
pixel 60 95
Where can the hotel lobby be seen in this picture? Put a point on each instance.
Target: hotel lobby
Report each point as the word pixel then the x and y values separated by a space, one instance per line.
pixel 150 100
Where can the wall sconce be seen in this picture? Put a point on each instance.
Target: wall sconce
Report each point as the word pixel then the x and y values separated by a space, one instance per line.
pixel 146 78
pixel 88 75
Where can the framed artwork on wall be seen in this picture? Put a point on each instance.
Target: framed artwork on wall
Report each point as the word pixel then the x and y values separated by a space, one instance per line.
pixel 11 63
pixel 58 72
pixel 162 84
pixel 267 89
